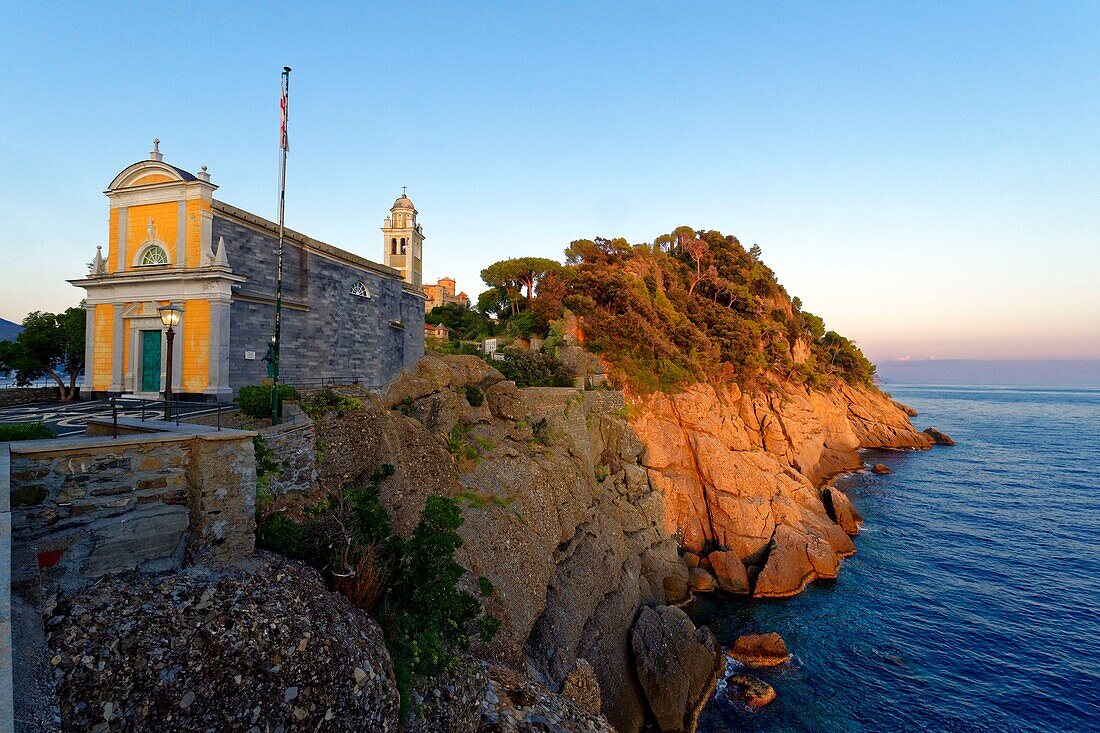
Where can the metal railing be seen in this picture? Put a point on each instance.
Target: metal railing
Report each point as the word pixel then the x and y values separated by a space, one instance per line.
pixel 166 410
pixel 69 419
pixel 305 380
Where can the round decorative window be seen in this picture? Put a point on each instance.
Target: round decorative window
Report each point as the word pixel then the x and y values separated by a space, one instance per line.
pixel 360 289
pixel 154 256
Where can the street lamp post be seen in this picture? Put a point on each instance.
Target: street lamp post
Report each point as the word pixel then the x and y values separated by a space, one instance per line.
pixel 170 317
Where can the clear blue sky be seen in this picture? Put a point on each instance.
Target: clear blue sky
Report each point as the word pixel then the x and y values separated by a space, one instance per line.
pixel 925 177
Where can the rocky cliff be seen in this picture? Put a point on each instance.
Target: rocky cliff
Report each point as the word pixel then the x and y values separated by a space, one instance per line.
pixel 742 473
pixel 560 516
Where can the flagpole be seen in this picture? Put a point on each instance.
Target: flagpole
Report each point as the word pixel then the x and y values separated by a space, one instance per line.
pixel 285 104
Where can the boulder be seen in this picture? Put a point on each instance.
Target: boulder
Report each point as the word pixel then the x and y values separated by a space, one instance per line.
pixel 788 568
pixel 940 437
pixel 730 571
pixel 759 650
pixel 841 511
pixel 691 559
pixel 748 690
pixel 677 664
pixel 905 408
pixel 701 581
pixel 881 469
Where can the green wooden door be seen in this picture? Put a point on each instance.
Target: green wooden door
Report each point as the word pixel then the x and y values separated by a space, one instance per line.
pixel 150 361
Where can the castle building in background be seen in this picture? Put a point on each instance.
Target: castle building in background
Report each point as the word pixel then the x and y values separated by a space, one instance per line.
pixel 403 241
pixel 345 318
pixel 441 293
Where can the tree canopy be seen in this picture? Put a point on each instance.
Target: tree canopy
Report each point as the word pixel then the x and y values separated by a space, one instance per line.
pixel 49 345
pixel 516 274
pixel 687 306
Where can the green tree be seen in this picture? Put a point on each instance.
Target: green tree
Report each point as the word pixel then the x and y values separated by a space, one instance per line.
pixel 493 302
pixel 518 273
pixel 465 324
pixel 49 345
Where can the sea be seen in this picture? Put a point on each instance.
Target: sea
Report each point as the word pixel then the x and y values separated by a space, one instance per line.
pixel 973 601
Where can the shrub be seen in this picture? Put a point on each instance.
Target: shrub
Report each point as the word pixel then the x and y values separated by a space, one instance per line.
pixel 474 396
pixel 410 586
pixel 255 400
pixel 533 369
pixel 540 430
pixel 25 431
pixel 282 535
pixel 327 400
pixel 485 586
pixel 266 465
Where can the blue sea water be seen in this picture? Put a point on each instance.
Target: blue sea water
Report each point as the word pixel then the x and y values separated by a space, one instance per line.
pixel 973 601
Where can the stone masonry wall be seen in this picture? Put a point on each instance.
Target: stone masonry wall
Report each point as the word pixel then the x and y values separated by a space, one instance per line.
pixel 23 395
pixel 326 331
pixel 91 506
pixel 293 448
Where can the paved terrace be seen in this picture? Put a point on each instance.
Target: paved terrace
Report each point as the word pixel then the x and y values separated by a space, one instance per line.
pixel 71 418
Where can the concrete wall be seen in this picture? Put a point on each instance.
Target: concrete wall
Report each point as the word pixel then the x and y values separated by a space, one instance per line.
pixel 89 506
pixel 326 331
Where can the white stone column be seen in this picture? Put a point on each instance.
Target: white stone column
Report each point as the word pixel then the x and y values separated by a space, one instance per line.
pixel 89 352
pixel 218 358
pixel 116 349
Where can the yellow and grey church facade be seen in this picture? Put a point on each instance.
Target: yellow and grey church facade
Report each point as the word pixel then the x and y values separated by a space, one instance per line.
pixel 344 318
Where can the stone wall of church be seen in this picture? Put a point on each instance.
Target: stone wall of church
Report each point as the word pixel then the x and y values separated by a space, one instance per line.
pixel 327 333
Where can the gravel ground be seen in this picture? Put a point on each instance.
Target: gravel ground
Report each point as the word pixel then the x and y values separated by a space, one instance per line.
pixel 268 650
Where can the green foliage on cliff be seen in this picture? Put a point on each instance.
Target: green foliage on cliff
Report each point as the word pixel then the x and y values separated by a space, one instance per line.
pixel 690 306
pixel 533 369
pixel 409 585
pixel 464 323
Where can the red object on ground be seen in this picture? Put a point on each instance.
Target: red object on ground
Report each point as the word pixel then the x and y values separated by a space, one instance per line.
pixel 49 558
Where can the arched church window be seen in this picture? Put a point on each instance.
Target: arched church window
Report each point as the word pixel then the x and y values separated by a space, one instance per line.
pixel 402 245
pixel 394 246
pixel 360 289
pixel 154 255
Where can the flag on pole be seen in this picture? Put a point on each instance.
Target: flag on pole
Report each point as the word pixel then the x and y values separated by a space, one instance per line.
pixel 282 107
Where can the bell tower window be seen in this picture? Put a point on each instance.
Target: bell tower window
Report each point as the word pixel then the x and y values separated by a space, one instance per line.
pixel 403 249
pixel 394 251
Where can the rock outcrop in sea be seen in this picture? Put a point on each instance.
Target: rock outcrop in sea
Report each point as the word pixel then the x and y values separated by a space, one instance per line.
pixel 741 472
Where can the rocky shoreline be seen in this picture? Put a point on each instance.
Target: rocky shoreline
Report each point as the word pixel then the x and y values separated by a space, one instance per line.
pixel 592 519
pixel 746 476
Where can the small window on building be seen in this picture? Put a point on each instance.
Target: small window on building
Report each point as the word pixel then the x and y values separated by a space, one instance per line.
pixel 155 255
pixel 360 289
pixel 403 250
pixel 394 246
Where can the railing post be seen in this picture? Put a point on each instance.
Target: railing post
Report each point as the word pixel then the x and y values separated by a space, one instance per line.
pixel 114 418
pixel 219 416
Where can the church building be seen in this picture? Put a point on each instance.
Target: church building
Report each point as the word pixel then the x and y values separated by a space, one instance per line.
pixel 344 318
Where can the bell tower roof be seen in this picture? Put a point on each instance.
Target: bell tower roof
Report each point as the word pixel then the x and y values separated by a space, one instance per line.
pixel 403 202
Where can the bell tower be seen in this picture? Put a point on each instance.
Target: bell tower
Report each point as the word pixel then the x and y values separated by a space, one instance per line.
pixel 403 240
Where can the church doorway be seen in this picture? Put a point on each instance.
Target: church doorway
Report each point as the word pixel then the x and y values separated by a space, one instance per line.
pixel 150 361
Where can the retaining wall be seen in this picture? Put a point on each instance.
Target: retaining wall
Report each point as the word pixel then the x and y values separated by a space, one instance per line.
pixel 148 499
pixel 293 447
